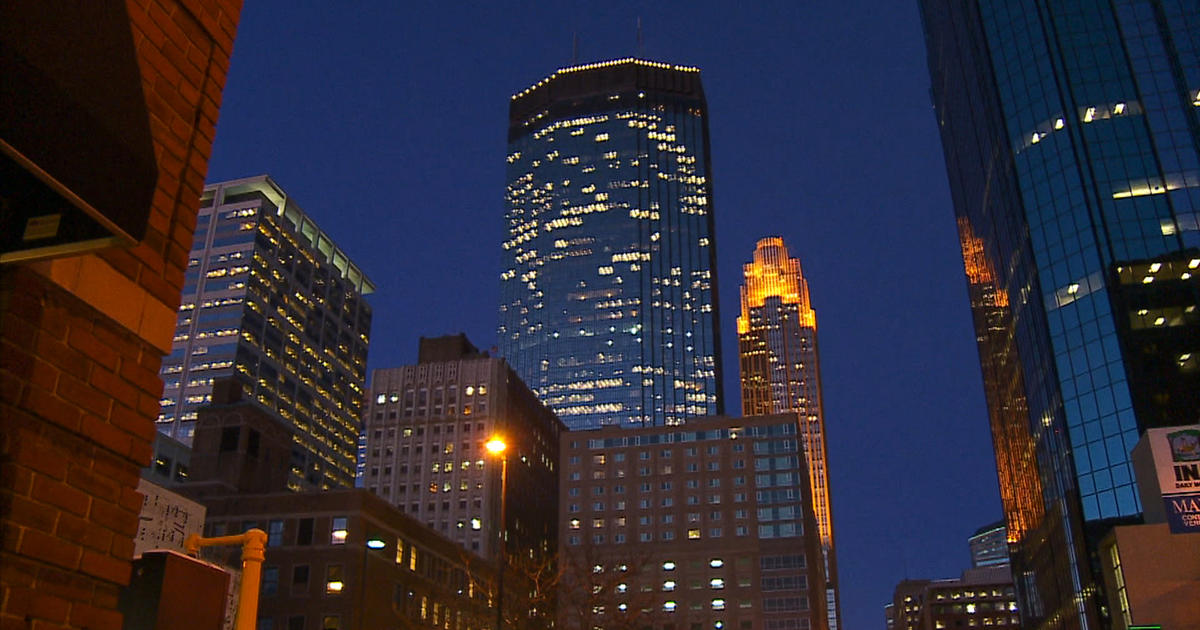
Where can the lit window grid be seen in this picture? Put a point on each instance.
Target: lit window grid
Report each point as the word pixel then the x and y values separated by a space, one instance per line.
pixel 227 287
pixel 407 458
pixel 606 264
pixel 622 471
pixel 774 492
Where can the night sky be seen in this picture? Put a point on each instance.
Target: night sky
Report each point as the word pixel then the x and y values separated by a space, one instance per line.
pixel 386 123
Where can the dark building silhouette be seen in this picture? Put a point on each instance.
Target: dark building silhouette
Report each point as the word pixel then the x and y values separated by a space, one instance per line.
pixel 340 558
pixel 1072 145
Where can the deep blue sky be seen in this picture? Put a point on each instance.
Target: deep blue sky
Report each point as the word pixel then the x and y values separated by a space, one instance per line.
pixel 386 123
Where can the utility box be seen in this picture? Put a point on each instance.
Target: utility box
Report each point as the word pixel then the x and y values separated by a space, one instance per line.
pixel 172 591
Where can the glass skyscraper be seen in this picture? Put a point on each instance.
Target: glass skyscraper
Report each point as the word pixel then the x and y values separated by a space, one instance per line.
pixel 271 302
pixel 1072 139
pixel 609 291
pixel 780 373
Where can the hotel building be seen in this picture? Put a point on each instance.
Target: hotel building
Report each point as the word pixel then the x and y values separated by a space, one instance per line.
pixel 609 291
pixel 777 346
pixel 701 527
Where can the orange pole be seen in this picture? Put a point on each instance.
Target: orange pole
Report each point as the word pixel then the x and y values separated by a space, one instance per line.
pixel 254 544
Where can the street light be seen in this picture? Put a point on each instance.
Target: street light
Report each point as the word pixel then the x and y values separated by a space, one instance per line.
pixel 496 446
pixel 374 543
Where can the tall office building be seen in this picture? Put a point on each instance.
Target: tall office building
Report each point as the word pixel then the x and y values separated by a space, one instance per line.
pixel 609 291
pixel 989 546
pixel 270 302
pixel 1072 139
pixel 777 346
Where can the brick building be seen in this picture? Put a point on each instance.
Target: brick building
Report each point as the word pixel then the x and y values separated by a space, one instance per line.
pixel 705 526
pixel 82 339
pixel 344 559
pixel 983 596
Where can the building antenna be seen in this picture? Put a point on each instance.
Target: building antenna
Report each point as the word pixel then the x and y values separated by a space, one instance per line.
pixel 574 48
pixel 639 36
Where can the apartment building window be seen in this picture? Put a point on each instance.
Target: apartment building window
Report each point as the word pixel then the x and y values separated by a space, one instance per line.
pixel 339 532
pixel 270 580
pixel 334 579
pixel 304 531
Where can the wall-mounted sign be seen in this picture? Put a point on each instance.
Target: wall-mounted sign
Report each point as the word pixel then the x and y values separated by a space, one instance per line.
pixel 1183 512
pixel 1176 455
pixel 166 519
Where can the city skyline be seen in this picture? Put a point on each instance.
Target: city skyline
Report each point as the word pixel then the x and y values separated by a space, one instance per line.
pixel 1069 140
pixel 411 188
pixel 608 305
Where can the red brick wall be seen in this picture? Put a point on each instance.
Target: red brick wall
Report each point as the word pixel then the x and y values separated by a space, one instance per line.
pixel 81 343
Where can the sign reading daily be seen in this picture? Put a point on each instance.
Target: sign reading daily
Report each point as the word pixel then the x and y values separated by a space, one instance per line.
pixel 1176 453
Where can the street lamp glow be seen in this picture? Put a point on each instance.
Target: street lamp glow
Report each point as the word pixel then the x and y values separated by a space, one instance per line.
pixel 495 445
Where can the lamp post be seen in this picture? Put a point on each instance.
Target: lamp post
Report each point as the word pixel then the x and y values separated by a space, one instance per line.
pixel 496 446
pixel 371 543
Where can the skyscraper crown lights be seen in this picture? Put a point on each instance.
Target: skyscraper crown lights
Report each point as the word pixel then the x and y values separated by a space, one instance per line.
pixel 606 64
pixel 773 274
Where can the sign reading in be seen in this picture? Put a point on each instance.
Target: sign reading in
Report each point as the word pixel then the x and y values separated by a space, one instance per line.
pixel 1176 452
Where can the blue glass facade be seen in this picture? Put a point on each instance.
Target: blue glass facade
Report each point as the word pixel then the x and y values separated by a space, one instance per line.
pixel 1072 140
pixel 608 295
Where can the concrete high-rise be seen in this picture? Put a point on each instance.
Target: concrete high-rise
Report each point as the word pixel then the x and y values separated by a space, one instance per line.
pixel 270 302
pixel 609 291
pixel 1071 132
pixel 426 426
pixel 777 344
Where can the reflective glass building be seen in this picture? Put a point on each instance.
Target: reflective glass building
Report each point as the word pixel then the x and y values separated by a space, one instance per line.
pixel 1072 139
pixel 780 373
pixel 270 301
pixel 609 292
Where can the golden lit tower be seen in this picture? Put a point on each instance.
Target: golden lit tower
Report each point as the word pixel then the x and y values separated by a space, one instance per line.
pixel 777 343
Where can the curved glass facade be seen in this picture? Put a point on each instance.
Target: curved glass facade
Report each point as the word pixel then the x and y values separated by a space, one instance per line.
pixel 1072 140
pixel 608 295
